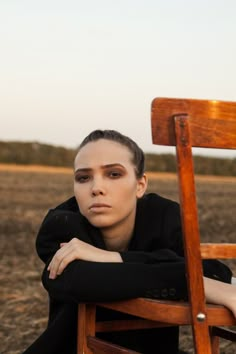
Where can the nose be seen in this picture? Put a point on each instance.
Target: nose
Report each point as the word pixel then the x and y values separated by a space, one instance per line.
pixel 97 188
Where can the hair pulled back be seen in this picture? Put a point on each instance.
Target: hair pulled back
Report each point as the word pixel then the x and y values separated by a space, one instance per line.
pixel 138 158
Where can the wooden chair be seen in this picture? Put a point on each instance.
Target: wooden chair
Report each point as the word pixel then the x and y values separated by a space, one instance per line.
pixel 182 123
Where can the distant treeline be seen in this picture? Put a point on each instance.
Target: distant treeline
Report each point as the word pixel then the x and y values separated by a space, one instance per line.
pixel 34 153
pixel 202 165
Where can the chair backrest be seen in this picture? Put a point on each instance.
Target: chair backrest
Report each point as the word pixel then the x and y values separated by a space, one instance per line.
pixel 212 123
pixel 185 123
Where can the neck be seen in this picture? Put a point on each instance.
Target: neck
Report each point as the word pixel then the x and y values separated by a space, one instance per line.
pixel 118 238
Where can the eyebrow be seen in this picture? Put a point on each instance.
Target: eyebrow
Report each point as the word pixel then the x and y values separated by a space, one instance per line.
pixel 87 169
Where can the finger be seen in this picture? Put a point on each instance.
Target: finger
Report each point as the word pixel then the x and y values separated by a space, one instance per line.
pixel 55 262
pixel 61 245
pixel 67 259
pixel 60 261
pixel 49 266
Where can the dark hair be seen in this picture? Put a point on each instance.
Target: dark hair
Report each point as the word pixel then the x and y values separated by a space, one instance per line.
pixel 138 158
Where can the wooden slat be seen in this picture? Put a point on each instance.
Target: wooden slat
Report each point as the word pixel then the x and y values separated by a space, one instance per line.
pixel 101 347
pixel 176 311
pixel 217 131
pixel 155 310
pixel 220 316
pixel 225 333
pixel 121 325
pixel 218 250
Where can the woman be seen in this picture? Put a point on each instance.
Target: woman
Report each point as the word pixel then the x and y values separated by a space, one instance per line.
pixel 111 241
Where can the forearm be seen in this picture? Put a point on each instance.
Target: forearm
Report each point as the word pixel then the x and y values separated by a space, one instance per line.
pixel 92 281
pixel 79 250
pixel 220 293
pixel 93 254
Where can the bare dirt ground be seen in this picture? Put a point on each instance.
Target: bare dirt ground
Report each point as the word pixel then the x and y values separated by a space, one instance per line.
pixel 26 195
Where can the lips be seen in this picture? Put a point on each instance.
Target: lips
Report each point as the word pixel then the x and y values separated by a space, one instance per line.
pixel 99 206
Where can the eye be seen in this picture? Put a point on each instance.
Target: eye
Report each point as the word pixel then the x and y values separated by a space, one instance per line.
pixel 115 174
pixel 82 178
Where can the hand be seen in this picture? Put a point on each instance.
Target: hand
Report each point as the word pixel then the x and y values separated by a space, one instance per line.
pixel 78 250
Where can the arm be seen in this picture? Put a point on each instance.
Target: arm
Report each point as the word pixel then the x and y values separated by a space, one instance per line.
pixel 79 250
pixel 88 279
pixel 220 293
pixel 98 281
pixel 102 281
pixel 81 272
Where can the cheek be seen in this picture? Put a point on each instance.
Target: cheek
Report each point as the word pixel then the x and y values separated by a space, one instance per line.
pixel 80 195
pixel 74 189
pixel 128 192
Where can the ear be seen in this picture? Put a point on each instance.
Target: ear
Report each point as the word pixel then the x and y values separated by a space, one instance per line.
pixel 141 186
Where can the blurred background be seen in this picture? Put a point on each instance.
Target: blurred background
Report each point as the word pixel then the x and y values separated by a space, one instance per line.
pixel 68 67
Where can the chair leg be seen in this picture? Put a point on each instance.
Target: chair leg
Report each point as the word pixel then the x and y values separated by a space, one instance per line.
pixel 81 337
pixel 86 327
pixel 215 342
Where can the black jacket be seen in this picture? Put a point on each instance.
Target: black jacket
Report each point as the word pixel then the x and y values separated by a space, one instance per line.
pixel 153 266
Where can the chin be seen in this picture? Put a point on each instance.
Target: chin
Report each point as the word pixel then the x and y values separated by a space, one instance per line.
pixel 99 223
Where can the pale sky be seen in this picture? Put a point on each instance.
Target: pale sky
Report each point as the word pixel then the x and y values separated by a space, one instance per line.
pixel 69 67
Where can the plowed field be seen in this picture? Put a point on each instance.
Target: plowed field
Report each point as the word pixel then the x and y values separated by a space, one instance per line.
pixel 27 194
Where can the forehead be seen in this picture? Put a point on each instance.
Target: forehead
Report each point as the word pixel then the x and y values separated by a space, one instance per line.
pixel 103 152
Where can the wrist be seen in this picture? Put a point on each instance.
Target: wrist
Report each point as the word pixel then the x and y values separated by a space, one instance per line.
pixel 117 257
pixel 109 257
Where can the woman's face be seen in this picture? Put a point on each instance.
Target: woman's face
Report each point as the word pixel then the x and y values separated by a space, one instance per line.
pixel 105 185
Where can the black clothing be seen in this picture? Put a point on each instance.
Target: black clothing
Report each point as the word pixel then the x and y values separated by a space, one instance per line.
pixel 153 266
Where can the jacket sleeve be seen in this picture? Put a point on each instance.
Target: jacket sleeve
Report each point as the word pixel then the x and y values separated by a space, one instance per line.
pixel 212 268
pixel 157 274
pixel 91 281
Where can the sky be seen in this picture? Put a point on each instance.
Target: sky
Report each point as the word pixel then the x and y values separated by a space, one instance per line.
pixel 69 67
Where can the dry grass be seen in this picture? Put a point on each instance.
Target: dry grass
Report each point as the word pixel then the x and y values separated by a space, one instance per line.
pixel 35 168
pixel 26 194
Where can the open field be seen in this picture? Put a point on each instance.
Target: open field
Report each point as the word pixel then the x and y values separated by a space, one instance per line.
pixel 26 195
